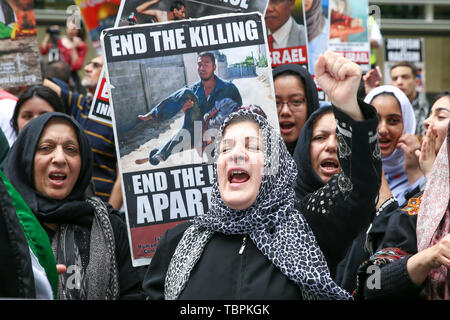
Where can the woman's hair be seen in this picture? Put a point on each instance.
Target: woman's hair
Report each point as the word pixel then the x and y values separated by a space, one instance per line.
pixel 439 96
pixel 39 91
pixel 386 94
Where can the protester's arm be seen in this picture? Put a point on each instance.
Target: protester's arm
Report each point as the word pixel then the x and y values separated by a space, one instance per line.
pixel 79 54
pixel 372 79
pixel 409 143
pixel 115 198
pixel 340 78
pixel 52 86
pixel 44 46
pixel 427 152
pixel 391 260
pixel 420 264
pixel 342 209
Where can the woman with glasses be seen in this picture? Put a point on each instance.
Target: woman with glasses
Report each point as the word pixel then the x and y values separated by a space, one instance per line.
pixel 296 98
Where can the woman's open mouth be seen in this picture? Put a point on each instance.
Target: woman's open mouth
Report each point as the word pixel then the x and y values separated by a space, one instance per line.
pixel 57 179
pixel 330 166
pixel 286 127
pixel 238 176
pixel 385 143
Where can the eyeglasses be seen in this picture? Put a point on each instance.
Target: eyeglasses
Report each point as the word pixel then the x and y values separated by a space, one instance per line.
pixel 293 105
pixel 96 65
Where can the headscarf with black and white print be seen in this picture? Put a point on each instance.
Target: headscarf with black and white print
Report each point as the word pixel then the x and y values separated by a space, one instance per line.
pixel 278 230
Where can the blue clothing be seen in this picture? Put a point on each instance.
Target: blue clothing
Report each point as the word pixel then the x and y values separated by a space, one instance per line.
pixel 217 115
pixel 170 106
pixel 223 89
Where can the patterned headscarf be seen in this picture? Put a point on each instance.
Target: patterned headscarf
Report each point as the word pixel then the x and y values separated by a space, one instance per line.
pixel 278 230
pixel 433 219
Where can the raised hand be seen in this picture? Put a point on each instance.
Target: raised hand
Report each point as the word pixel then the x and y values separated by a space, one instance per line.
pixel 427 153
pixel 340 78
pixel 409 144
pixel 372 79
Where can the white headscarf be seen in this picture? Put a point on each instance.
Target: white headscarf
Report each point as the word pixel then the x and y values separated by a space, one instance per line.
pixel 393 163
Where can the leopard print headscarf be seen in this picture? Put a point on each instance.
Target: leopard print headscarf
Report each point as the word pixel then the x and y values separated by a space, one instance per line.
pixel 278 230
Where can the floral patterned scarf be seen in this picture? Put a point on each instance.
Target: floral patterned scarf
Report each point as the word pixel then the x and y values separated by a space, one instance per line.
pixel 433 220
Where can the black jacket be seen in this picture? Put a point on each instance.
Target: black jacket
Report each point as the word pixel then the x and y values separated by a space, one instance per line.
pixel 222 272
pixel 346 214
pixel 395 282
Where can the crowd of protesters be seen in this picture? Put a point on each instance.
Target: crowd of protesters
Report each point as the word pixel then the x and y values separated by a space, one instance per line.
pixel 363 180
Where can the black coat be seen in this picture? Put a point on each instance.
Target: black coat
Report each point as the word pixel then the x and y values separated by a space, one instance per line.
pixel 346 215
pixel 130 278
pixel 395 282
pixel 222 272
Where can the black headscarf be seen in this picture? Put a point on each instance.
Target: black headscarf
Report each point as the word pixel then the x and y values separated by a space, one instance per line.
pixel 307 180
pixel 312 97
pixel 19 168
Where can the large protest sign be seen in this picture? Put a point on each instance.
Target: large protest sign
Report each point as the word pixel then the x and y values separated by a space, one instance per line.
pixel 405 49
pixel 19 58
pixel 286 32
pixel 98 15
pixel 135 12
pixel 317 27
pixel 348 30
pixel 163 123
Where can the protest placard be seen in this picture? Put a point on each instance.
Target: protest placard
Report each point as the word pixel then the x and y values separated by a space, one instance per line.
pixel 165 121
pixel 19 58
pixel 405 49
pixel 135 12
pixel 98 15
pixel 348 30
pixel 286 32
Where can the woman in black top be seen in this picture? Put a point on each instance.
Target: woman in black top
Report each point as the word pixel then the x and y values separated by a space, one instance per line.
pixel 50 165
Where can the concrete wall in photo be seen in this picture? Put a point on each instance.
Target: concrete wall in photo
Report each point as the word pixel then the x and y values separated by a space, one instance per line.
pixel 140 85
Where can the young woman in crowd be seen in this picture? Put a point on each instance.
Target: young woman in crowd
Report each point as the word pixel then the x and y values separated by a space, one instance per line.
pixel 396 135
pixel 414 254
pixel 35 101
pixel 296 98
pixel 321 149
